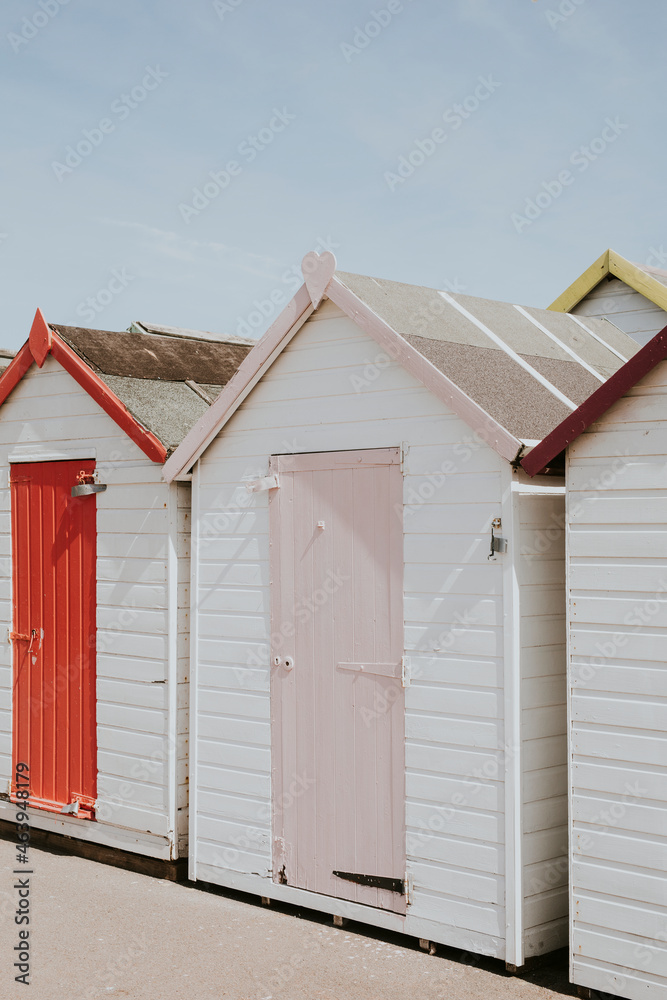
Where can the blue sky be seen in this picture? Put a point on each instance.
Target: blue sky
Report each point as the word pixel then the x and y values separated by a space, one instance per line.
pixel 330 109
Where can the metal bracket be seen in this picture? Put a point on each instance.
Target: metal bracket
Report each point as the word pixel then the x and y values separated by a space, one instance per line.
pixel 72 808
pixel 498 544
pixel 374 881
pixel 85 489
pixel 265 483
pixel 405 672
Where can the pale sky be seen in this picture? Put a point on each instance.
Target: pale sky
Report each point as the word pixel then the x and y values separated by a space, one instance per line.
pixel 406 135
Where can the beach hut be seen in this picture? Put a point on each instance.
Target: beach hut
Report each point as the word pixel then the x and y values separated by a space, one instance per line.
pixel 378 636
pixel 94 575
pixel 616 446
pixel 632 296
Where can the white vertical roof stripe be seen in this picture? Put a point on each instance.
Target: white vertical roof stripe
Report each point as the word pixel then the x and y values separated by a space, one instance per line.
pixel 595 337
pixel 508 350
pixel 556 340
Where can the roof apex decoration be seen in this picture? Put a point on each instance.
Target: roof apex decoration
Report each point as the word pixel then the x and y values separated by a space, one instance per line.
pixel 318 271
pixel 40 339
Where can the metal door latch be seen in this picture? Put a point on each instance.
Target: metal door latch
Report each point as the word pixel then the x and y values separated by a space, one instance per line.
pixel 72 808
pixel 13 636
pixel 498 544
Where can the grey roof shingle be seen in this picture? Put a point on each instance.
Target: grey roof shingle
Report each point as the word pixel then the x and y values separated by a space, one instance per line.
pixel 149 373
pixel 486 372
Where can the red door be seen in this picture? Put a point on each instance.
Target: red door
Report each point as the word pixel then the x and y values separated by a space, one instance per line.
pixel 338 706
pixel 54 575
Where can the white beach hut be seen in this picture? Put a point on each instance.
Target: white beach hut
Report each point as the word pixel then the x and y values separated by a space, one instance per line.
pixel 378 638
pixel 94 575
pixel 616 445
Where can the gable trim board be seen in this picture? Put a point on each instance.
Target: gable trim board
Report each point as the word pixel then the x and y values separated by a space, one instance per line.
pixel 44 341
pixel 612 264
pixel 596 405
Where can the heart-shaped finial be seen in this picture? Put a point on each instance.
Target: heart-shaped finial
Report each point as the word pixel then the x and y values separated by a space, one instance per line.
pixel 318 270
pixel 40 339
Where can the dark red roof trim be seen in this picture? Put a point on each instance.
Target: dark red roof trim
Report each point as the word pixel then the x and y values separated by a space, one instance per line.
pixel 639 365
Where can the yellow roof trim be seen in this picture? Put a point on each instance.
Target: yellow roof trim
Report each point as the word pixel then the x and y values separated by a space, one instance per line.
pixel 611 263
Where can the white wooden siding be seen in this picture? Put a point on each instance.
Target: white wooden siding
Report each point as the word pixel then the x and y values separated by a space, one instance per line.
pixel 627 309
pixel 47 413
pixel 334 389
pixel 618 695
pixel 544 718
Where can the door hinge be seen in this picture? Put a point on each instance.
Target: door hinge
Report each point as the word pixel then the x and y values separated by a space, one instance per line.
pixel 374 881
pixel 405 672
pixel 265 483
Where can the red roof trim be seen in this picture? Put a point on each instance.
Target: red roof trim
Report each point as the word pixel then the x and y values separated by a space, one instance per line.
pixel 109 402
pixel 15 371
pixel 639 365
pixel 44 341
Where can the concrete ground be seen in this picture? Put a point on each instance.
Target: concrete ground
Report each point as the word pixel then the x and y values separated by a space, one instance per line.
pixel 98 931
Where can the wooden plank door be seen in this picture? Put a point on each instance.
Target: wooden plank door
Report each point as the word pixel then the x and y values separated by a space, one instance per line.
pixel 54 636
pixel 337 700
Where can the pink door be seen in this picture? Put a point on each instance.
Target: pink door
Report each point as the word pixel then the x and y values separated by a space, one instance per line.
pixel 337 700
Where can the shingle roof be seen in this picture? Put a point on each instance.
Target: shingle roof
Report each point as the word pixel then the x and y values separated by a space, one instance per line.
pixel 513 373
pixel 499 354
pixel 164 381
pixel 138 326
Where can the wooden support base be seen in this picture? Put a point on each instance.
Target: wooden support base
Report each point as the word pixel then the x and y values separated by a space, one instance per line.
pixel 339 921
pixel 173 871
pixel 427 945
pixel 585 992
pixel 266 901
